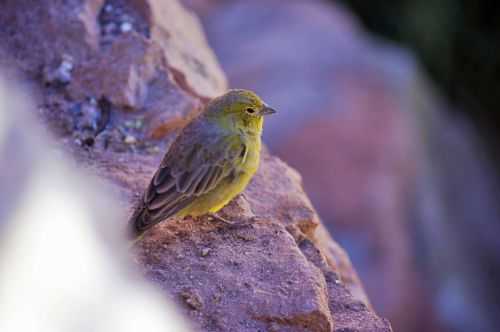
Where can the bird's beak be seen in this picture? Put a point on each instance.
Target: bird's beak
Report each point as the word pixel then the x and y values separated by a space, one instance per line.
pixel 266 110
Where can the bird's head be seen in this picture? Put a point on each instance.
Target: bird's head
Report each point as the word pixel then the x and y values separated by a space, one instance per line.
pixel 241 109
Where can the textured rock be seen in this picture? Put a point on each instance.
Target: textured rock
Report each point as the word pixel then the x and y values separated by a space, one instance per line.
pixel 340 125
pixel 55 216
pixel 135 72
pixel 118 52
pixel 254 276
pixel 33 33
pixel 269 271
pixel 398 182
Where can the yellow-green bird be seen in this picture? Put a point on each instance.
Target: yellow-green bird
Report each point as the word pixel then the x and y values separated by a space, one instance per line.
pixel 210 162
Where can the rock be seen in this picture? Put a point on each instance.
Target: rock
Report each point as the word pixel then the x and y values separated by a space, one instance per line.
pixel 250 279
pixel 33 33
pixel 126 70
pixel 205 251
pixel 253 268
pixel 343 306
pixel 129 139
pixel 61 74
pixel 194 68
pixel 86 279
pixel 395 179
pixel 276 268
pixel 192 298
pixel 155 63
pixel 339 123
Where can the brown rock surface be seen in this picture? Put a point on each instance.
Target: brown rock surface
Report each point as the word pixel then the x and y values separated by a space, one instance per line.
pixel 116 51
pixel 400 183
pixel 113 75
pixel 341 125
pixel 268 272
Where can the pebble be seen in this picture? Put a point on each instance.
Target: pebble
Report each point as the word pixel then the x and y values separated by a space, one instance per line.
pixel 126 27
pixel 205 251
pixel 153 149
pixel 136 124
pixel 192 298
pixel 63 72
pixel 129 139
pixel 66 65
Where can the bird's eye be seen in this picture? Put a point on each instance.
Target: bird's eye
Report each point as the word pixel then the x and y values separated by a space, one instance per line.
pixel 250 110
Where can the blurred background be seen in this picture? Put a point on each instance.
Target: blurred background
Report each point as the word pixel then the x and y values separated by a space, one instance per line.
pixel 389 111
pixel 456 42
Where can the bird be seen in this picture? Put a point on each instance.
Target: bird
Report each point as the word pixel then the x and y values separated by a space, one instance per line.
pixel 210 162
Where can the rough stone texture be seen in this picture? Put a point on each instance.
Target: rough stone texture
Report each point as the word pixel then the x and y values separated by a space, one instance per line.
pixel 34 28
pixel 113 52
pixel 116 76
pixel 340 124
pixel 399 183
pixel 252 277
pixel 268 272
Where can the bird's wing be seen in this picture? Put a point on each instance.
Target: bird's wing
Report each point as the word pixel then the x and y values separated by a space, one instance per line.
pixel 195 164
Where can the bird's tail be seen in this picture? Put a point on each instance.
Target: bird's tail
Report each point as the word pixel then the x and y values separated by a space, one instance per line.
pixel 136 224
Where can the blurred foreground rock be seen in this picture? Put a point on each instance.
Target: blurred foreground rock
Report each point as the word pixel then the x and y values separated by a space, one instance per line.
pixel 62 264
pixel 115 79
pixel 400 184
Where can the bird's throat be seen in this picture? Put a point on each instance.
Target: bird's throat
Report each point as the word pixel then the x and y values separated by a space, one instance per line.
pixel 253 126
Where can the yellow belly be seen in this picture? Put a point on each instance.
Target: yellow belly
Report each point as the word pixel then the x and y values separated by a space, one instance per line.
pixel 225 191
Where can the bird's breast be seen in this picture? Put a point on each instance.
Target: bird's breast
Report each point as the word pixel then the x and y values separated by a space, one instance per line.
pixel 232 185
pixel 250 163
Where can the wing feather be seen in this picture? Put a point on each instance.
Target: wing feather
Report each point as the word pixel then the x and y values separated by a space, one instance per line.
pixel 168 211
pixel 164 186
pixel 164 199
pixel 189 170
pixel 201 174
pixel 204 184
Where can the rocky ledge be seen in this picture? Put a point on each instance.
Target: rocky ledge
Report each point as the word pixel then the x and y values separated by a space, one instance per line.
pixel 115 80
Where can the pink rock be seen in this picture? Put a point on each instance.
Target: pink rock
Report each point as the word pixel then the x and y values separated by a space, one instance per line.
pixel 343 122
pixel 276 269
